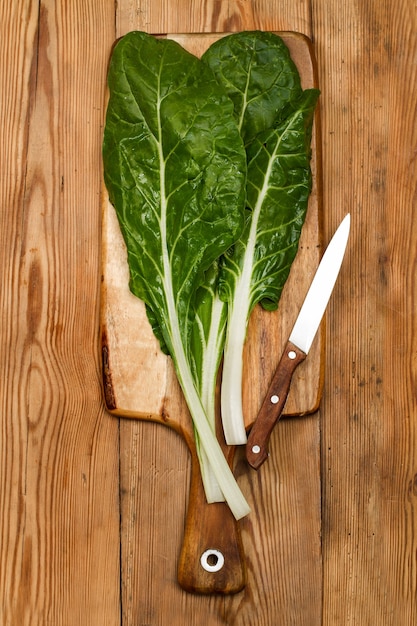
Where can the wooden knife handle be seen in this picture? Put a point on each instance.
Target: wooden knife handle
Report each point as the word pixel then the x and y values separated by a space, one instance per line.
pixel 211 559
pixel 272 406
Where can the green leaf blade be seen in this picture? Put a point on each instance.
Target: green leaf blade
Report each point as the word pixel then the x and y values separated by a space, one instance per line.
pixel 279 186
pixel 259 76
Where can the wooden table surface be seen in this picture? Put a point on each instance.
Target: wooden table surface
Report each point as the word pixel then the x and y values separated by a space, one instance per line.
pixel 92 507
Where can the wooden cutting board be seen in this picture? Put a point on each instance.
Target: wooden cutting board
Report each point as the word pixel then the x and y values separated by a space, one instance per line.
pixel 140 383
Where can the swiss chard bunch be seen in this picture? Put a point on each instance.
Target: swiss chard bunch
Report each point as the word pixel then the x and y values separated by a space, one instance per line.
pixel 207 165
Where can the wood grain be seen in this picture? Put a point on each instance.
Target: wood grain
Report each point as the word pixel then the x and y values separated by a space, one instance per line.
pixel 194 16
pixel 59 497
pixel 369 60
pixel 59 518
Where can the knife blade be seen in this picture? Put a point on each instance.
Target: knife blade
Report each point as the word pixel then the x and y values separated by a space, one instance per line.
pixel 298 345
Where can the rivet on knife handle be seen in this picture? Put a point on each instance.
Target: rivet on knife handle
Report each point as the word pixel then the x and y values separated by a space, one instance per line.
pixel 271 409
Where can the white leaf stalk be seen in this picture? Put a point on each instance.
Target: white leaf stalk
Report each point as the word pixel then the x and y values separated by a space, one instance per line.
pixel 207 438
pixel 212 350
pixel 240 308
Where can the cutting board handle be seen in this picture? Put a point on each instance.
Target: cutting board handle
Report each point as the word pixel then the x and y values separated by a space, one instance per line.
pixel 212 558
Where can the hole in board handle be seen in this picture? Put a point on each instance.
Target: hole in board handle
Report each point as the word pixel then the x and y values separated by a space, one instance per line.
pixel 212 560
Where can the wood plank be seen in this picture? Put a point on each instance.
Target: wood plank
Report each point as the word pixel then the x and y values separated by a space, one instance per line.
pixel 368 60
pixel 155 483
pixel 15 77
pixel 197 16
pixel 59 558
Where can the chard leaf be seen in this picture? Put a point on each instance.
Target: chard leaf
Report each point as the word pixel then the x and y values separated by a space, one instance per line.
pixel 275 117
pixel 175 169
pixel 258 74
pixel 278 187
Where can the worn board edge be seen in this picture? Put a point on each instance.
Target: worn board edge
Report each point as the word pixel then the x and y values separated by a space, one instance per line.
pixel 145 392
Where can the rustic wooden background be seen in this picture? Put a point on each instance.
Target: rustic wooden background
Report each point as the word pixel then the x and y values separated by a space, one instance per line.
pixel 92 507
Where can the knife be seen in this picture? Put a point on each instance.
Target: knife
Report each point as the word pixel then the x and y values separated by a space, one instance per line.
pixel 298 345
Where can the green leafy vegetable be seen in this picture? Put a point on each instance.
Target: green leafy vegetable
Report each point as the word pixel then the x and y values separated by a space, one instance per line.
pixel 207 164
pixel 175 170
pixel 275 119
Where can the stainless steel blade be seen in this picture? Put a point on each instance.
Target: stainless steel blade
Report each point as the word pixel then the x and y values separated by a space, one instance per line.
pixel 318 295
